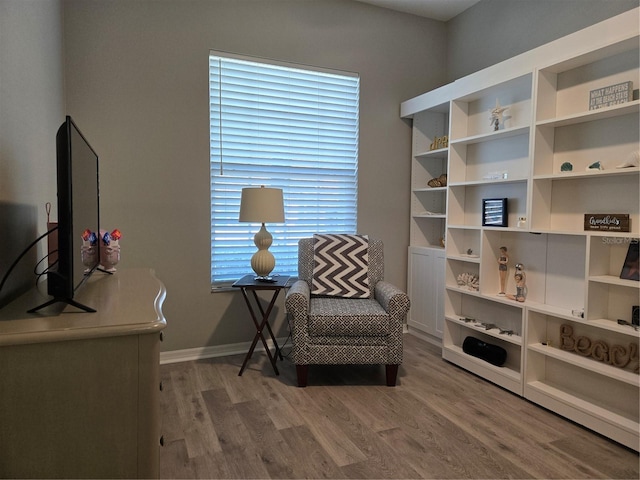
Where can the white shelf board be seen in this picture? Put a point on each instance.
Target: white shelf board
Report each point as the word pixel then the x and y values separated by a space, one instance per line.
pixel 613 326
pixel 495 181
pixel 592 115
pixel 465 258
pixel 588 174
pixel 613 280
pixel 430 189
pixel 490 136
pixel 575 402
pixel 438 153
pixel 464 227
pixel 427 215
pixel 494 332
pixel 555 312
pixel 593 366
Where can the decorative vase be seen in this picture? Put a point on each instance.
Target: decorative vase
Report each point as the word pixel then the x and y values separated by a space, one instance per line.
pixel 89 256
pixel 110 256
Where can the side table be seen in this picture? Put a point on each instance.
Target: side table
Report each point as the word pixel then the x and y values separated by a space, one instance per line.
pixel 247 284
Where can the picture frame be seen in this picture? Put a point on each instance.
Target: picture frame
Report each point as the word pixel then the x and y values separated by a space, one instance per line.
pixel 631 266
pixel 494 212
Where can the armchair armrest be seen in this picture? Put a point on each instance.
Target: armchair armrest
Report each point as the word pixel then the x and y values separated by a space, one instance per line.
pixel 297 300
pixel 394 301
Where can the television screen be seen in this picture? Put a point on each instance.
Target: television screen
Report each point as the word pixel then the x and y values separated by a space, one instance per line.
pixel 84 206
pixel 78 216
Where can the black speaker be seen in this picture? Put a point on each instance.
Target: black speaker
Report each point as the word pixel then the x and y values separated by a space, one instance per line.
pixel 635 315
pixel 493 354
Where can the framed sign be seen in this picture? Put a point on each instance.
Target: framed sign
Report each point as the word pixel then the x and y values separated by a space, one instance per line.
pixel 607 222
pixel 494 212
pixel 631 267
pixel 611 95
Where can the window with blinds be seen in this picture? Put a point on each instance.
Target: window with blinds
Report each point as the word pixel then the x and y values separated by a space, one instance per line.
pixel 281 126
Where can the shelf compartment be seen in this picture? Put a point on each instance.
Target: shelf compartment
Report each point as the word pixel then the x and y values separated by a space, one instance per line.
pixel 505 315
pixel 606 258
pixel 465 202
pixel 423 170
pixel 470 114
pixel 460 241
pixel 611 302
pixel 610 141
pixel 429 203
pixel 427 230
pixel 503 158
pixel 455 331
pixel 561 206
pixel 563 89
pixel 585 363
pixel 544 336
pixel 592 415
pixel 427 125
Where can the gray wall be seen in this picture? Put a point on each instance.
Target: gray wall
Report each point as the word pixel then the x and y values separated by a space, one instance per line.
pixel 31 110
pixel 495 30
pixel 135 78
pixel 137 85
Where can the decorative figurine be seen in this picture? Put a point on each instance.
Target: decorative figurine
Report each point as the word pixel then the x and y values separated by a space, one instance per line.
pixel 632 160
pixel 503 259
pixel 595 166
pixel 566 167
pixel 469 281
pixel 521 284
pixel 496 116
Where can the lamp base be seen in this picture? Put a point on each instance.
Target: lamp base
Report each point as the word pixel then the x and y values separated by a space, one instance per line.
pixel 263 262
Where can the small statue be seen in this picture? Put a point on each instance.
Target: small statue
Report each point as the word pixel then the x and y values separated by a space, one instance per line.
pixel 503 259
pixel 469 281
pixel 496 115
pixel 521 284
pixel 632 160
pixel 595 166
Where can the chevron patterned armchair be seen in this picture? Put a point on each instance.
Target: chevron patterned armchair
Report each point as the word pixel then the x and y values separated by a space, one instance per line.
pixel 341 309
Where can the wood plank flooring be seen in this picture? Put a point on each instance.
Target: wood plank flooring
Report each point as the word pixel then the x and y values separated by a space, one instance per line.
pixel 438 422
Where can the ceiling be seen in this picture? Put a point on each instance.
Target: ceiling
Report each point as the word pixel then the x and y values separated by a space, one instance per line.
pixel 437 9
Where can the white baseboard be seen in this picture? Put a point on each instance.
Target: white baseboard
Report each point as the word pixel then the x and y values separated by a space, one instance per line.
pixel 200 353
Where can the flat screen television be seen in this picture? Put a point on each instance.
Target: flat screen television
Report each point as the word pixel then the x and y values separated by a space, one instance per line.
pixel 78 213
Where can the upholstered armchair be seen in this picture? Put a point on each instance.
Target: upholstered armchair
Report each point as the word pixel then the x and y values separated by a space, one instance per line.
pixel 342 311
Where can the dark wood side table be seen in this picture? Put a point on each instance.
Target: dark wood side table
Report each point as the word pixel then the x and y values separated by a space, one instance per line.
pixel 247 284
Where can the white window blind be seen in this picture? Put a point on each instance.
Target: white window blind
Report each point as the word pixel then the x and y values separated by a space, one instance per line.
pixel 285 127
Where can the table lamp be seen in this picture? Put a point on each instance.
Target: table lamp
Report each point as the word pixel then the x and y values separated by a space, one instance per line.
pixel 262 205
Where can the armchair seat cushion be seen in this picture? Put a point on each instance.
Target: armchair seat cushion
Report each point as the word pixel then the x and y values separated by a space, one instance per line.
pixel 339 317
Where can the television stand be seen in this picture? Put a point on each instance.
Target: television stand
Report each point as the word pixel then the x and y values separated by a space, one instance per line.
pixel 80 394
pixel 68 301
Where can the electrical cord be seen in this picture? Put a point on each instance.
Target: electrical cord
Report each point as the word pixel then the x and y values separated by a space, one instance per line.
pixel 24 252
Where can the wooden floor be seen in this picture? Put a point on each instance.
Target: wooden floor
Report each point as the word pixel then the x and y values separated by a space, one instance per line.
pixel 438 422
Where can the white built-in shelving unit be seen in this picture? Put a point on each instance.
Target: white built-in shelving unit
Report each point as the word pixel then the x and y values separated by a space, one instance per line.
pixel 569 270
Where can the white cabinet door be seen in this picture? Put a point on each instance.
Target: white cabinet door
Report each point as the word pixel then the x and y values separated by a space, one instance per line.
pixel 426 290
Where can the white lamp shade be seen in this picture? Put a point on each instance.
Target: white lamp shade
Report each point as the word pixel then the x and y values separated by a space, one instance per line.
pixel 261 205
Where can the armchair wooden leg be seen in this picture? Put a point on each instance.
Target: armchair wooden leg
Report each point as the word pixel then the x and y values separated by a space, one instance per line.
pixel 392 374
pixel 302 371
